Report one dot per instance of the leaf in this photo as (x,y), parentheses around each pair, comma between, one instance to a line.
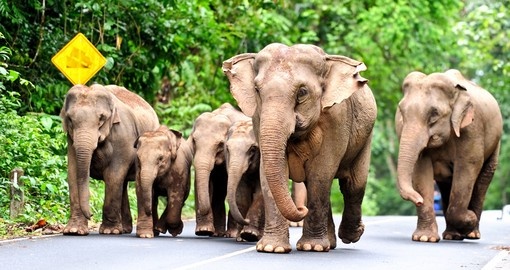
(13,75)
(46,122)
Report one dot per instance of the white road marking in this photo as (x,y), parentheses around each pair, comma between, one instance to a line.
(215,259)
(239,252)
(498,261)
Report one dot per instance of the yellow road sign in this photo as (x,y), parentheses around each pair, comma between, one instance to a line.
(79,60)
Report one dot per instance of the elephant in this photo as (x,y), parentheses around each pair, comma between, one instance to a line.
(163,166)
(313,116)
(207,142)
(244,195)
(299,197)
(102,123)
(449,130)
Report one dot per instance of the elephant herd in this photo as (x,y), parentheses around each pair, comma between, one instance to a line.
(306,116)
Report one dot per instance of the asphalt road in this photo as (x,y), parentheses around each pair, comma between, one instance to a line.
(386,244)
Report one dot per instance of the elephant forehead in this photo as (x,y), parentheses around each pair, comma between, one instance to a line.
(287,59)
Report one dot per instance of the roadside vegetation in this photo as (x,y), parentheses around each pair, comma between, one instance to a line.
(187,41)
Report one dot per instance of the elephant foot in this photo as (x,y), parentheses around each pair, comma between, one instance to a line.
(451,234)
(250,234)
(127,228)
(231,233)
(110,229)
(74,227)
(351,234)
(204,230)
(274,244)
(421,235)
(296,224)
(220,233)
(313,244)
(474,235)
(175,229)
(145,234)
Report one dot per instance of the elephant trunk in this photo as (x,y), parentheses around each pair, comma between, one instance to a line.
(235,174)
(202,177)
(84,145)
(412,144)
(146,181)
(275,130)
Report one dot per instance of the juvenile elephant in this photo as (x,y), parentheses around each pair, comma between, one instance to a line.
(208,139)
(162,169)
(244,195)
(313,116)
(102,125)
(449,130)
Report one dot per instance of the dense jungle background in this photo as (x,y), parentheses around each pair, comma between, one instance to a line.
(153,45)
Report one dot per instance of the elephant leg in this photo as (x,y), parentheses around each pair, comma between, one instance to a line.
(171,218)
(423,181)
(276,227)
(78,223)
(352,186)
(219,194)
(315,227)
(460,219)
(299,197)
(205,223)
(127,219)
(480,190)
(114,201)
(254,231)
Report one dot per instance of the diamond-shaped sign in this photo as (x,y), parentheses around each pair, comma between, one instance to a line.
(79,60)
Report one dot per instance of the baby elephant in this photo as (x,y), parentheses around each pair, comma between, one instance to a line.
(244,195)
(450,131)
(162,169)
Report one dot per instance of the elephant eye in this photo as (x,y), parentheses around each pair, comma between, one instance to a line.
(433,116)
(102,119)
(302,94)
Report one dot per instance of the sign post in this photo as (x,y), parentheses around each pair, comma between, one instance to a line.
(79,60)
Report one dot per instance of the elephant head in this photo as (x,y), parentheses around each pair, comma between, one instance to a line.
(88,116)
(433,110)
(208,139)
(242,158)
(286,89)
(156,152)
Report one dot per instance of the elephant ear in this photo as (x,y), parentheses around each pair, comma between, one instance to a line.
(342,79)
(105,129)
(240,73)
(463,110)
(176,143)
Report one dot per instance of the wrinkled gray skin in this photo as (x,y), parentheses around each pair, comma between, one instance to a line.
(243,193)
(163,165)
(102,124)
(449,130)
(207,141)
(313,116)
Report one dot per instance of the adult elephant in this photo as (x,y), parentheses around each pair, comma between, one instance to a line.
(244,195)
(162,169)
(102,124)
(207,141)
(313,116)
(449,130)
